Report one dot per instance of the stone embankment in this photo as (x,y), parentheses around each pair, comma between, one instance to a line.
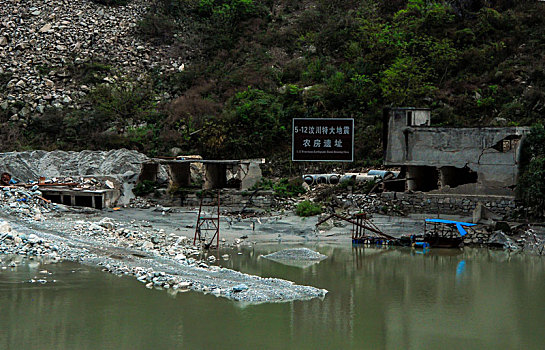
(439,203)
(401,203)
(47,45)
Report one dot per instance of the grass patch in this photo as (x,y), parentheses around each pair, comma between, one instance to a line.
(308,208)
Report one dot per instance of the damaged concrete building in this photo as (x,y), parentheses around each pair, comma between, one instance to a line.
(480,161)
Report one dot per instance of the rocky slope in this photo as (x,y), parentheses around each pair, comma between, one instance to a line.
(49,51)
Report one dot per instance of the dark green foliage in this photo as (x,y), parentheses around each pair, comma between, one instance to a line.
(158,27)
(252,66)
(122,115)
(145,187)
(531,184)
(125,102)
(252,117)
(263,63)
(89,72)
(43,70)
(283,187)
(308,208)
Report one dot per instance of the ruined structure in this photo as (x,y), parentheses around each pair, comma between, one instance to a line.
(451,160)
(216,174)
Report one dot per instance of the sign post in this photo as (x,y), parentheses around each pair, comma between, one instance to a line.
(323,140)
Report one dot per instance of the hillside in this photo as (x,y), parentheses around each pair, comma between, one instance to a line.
(224,78)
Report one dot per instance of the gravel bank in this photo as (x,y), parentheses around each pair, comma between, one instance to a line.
(157,259)
(304,254)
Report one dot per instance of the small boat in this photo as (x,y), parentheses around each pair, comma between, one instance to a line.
(439,233)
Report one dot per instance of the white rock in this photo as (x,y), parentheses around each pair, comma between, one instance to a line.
(4,227)
(147,245)
(180,257)
(45,28)
(107,223)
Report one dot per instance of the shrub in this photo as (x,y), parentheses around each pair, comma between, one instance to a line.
(282,188)
(145,187)
(125,102)
(157,26)
(531,183)
(87,72)
(308,208)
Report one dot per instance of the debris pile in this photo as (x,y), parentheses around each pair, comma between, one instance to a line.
(30,166)
(27,203)
(30,245)
(533,243)
(296,254)
(141,203)
(142,237)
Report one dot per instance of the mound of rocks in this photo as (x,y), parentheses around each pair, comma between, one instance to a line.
(33,164)
(46,44)
(299,254)
(30,245)
(27,203)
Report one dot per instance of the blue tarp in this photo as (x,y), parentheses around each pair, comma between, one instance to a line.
(459,224)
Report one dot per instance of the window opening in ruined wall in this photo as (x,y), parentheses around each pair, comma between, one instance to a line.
(507,144)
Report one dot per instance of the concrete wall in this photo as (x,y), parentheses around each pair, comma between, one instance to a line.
(264,199)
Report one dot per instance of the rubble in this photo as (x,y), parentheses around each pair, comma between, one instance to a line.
(27,203)
(15,243)
(160,260)
(43,44)
(67,166)
(296,254)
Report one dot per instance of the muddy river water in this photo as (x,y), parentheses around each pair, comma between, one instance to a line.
(378,299)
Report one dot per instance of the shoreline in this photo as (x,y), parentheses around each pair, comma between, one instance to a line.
(155,245)
(171,263)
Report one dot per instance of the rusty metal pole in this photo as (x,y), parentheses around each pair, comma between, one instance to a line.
(197,228)
(218,238)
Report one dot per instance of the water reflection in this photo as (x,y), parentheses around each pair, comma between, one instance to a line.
(379,299)
(397,298)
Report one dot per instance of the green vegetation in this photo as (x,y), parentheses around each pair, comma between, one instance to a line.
(531,185)
(252,66)
(145,187)
(261,63)
(282,188)
(308,208)
(89,72)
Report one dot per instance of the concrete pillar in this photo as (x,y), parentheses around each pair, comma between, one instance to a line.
(249,174)
(412,175)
